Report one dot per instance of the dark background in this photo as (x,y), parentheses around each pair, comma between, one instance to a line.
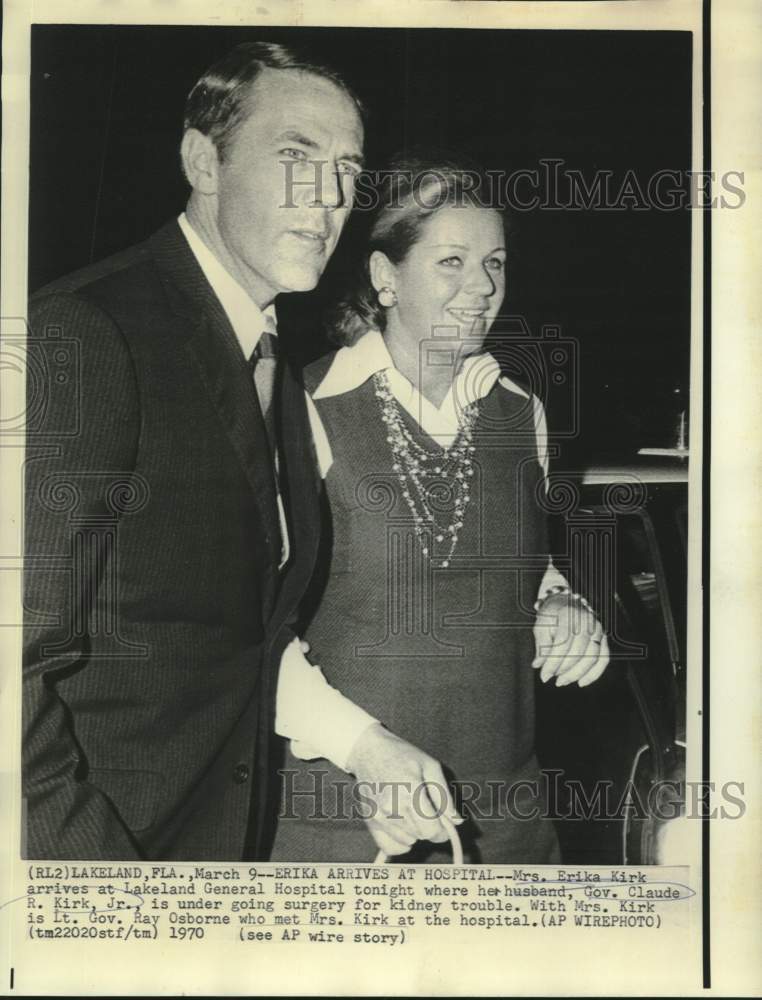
(106,123)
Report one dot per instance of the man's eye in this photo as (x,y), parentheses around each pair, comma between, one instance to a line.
(348,169)
(451,262)
(294,154)
(495,264)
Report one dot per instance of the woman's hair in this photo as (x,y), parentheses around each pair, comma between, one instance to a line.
(411,190)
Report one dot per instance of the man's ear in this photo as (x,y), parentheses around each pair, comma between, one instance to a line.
(200,161)
(381,271)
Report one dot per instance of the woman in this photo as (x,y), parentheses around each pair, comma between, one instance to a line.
(433,467)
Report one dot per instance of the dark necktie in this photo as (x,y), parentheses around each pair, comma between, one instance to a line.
(264,364)
(264,367)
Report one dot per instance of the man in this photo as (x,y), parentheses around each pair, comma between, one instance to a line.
(171,497)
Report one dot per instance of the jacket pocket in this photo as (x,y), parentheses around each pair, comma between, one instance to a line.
(136,795)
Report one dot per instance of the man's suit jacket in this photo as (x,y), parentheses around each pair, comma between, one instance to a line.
(155,615)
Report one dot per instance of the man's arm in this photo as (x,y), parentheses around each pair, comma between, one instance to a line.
(84,440)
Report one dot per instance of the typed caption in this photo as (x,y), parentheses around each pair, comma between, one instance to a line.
(376,905)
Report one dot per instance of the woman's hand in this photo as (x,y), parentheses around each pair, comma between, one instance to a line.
(404,788)
(570,642)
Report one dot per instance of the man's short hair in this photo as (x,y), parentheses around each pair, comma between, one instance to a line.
(216,105)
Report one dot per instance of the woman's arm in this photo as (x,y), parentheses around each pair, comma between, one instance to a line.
(570,643)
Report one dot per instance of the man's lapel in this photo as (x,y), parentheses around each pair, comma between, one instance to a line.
(214,351)
(299,477)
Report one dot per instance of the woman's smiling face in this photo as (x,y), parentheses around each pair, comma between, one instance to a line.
(451,284)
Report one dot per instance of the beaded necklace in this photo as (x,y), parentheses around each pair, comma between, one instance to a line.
(431,482)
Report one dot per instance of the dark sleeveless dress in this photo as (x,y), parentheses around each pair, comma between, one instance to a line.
(441,656)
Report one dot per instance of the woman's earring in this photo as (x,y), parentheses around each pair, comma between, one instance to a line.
(387,297)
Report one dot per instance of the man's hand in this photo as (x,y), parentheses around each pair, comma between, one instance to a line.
(569,641)
(404,786)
